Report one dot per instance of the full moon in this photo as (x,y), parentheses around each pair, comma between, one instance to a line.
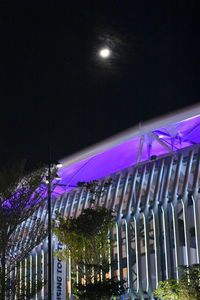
(104,53)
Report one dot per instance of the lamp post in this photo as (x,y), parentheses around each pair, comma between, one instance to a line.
(49,233)
(49,186)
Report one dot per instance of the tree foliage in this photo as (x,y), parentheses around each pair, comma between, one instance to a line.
(22,193)
(186,288)
(86,238)
(102,290)
(88,245)
(95,190)
(26,291)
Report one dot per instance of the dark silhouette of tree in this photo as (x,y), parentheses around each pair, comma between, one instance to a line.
(22,194)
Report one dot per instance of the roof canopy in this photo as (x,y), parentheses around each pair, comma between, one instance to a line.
(155,138)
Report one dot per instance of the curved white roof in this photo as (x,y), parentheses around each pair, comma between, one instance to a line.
(157,137)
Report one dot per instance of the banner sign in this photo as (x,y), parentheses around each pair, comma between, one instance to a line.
(59,284)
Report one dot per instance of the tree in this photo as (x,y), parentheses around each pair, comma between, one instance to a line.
(88,245)
(21,244)
(22,193)
(186,288)
(87,240)
(100,290)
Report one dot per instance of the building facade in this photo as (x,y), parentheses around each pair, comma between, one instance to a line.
(155,193)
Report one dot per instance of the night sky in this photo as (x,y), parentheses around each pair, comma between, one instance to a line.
(55,87)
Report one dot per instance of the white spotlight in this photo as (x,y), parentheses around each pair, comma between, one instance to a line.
(59,165)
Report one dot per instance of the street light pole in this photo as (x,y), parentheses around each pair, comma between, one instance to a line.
(49,187)
(49,234)
(49,231)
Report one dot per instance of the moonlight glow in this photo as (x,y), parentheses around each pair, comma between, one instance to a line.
(104,53)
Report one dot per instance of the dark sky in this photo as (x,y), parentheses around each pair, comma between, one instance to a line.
(54,86)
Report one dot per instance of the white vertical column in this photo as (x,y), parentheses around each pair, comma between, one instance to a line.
(136,219)
(112,206)
(156,226)
(146,231)
(184,201)
(195,199)
(119,228)
(177,250)
(164,209)
(131,200)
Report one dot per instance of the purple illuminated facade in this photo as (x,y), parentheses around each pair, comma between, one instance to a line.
(165,140)
(155,172)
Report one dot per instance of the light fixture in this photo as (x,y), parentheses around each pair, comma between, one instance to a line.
(58,165)
(57,177)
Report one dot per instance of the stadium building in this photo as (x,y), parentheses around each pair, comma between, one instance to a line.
(155,192)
